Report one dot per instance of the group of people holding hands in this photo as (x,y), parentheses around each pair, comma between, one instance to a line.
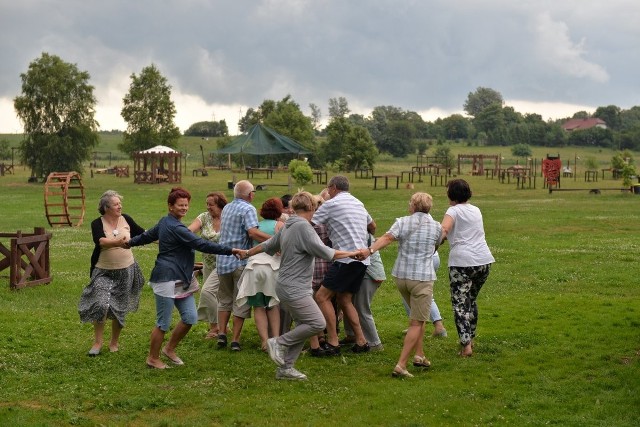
(303,263)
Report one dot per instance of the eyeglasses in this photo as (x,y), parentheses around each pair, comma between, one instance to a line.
(252,191)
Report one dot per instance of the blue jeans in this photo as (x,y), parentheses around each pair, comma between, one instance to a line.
(164,310)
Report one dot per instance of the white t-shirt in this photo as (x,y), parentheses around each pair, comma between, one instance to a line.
(466,238)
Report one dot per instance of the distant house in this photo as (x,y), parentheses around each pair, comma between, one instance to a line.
(582,124)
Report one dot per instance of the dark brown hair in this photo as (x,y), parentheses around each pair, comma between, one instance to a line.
(178,193)
(458,190)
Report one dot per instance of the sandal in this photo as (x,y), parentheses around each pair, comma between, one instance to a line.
(211,335)
(421,362)
(398,372)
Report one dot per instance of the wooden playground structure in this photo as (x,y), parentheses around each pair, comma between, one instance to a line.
(477,162)
(64,199)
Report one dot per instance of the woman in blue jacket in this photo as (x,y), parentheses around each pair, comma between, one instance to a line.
(172,276)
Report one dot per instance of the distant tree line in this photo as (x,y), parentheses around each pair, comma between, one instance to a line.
(57,108)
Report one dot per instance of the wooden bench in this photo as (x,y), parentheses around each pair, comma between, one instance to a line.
(409,174)
(200,171)
(268,171)
(319,175)
(433,179)
(523,180)
(363,173)
(386,181)
(591,176)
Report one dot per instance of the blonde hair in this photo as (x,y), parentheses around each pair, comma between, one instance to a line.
(421,202)
(303,201)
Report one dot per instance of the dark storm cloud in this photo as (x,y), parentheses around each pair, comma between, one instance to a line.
(416,55)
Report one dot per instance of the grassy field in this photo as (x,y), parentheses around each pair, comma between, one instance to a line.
(558,338)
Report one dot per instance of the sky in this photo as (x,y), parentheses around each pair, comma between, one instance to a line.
(221,57)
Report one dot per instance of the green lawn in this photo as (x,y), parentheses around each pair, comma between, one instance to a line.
(558,337)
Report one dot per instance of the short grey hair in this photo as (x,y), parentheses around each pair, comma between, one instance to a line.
(242,189)
(340,182)
(105,199)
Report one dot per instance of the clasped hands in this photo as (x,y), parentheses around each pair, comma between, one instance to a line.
(360,254)
(241,254)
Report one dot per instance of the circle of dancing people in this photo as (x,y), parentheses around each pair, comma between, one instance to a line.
(310,261)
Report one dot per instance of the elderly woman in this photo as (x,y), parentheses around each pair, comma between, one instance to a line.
(208,225)
(418,235)
(299,245)
(257,284)
(116,278)
(469,260)
(172,276)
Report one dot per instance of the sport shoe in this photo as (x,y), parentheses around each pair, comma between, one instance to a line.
(377,347)
(290,374)
(332,350)
(360,348)
(222,341)
(235,346)
(276,352)
(320,352)
(349,339)
(441,334)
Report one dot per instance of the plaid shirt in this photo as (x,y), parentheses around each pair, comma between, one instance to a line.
(237,218)
(417,235)
(321,265)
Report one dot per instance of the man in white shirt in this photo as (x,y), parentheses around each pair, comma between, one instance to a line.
(348,224)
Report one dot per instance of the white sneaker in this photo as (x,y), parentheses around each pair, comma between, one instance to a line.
(276,352)
(290,374)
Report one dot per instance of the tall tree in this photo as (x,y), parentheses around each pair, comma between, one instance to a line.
(349,146)
(338,107)
(286,117)
(393,129)
(149,112)
(456,126)
(57,109)
(480,99)
(316,117)
(611,116)
(208,129)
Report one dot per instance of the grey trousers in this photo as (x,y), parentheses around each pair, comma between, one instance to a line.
(362,303)
(309,321)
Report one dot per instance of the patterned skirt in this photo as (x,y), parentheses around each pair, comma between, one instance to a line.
(111,294)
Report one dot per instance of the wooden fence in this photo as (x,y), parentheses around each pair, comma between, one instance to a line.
(27,258)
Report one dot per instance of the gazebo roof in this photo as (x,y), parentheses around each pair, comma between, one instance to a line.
(159,149)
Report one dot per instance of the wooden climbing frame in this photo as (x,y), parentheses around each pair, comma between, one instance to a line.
(64,199)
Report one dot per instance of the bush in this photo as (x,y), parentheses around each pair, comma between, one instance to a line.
(300,172)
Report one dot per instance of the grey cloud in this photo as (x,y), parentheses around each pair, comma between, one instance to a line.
(413,54)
